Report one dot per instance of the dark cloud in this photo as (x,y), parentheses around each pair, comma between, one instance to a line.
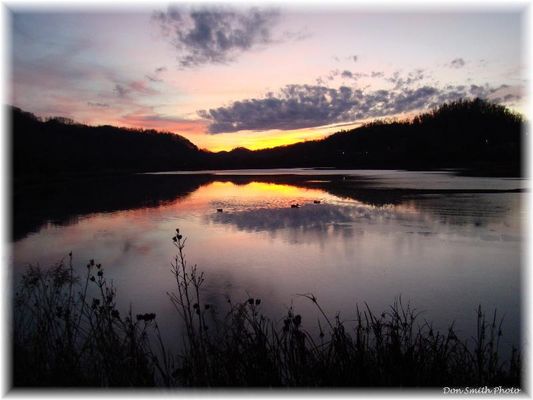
(377,74)
(410,99)
(479,91)
(353,58)
(296,106)
(333,74)
(352,75)
(457,63)
(160,69)
(120,90)
(511,97)
(412,78)
(304,106)
(346,74)
(394,77)
(215,35)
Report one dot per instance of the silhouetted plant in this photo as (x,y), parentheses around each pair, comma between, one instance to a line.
(245,348)
(69,332)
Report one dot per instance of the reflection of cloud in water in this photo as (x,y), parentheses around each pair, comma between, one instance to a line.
(310,221)
(270,219)
(464,216)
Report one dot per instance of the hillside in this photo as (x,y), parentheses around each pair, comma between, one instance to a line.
(475,135)
(61,146)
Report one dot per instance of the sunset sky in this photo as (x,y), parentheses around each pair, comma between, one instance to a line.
(227,76)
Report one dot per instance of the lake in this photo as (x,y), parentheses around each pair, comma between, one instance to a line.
(444,243)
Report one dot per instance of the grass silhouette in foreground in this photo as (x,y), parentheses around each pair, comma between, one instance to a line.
(68,332)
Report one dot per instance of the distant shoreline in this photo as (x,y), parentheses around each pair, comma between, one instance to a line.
(460,171)
(20,182)
(473,137)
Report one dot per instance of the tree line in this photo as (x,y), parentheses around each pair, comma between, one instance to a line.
(474,135)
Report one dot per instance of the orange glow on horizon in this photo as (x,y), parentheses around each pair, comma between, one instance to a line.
(261,143)
(254,140)
(196,132)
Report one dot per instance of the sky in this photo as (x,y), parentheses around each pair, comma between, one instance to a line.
(227,76)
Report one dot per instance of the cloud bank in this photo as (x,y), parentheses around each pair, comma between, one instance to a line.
(304,106)
(215,35)
(457,63)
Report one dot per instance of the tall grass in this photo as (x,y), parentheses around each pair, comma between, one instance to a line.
(68,332)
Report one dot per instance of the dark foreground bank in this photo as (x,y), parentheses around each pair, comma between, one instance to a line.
(68,333)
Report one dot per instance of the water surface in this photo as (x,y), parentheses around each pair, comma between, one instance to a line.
(442,242)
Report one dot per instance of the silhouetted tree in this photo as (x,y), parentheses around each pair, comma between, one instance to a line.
(473,134)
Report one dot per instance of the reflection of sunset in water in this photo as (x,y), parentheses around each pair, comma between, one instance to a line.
(259,194)
(424,247)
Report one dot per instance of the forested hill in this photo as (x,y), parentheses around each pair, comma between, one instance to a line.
(61,146)
(476,135)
